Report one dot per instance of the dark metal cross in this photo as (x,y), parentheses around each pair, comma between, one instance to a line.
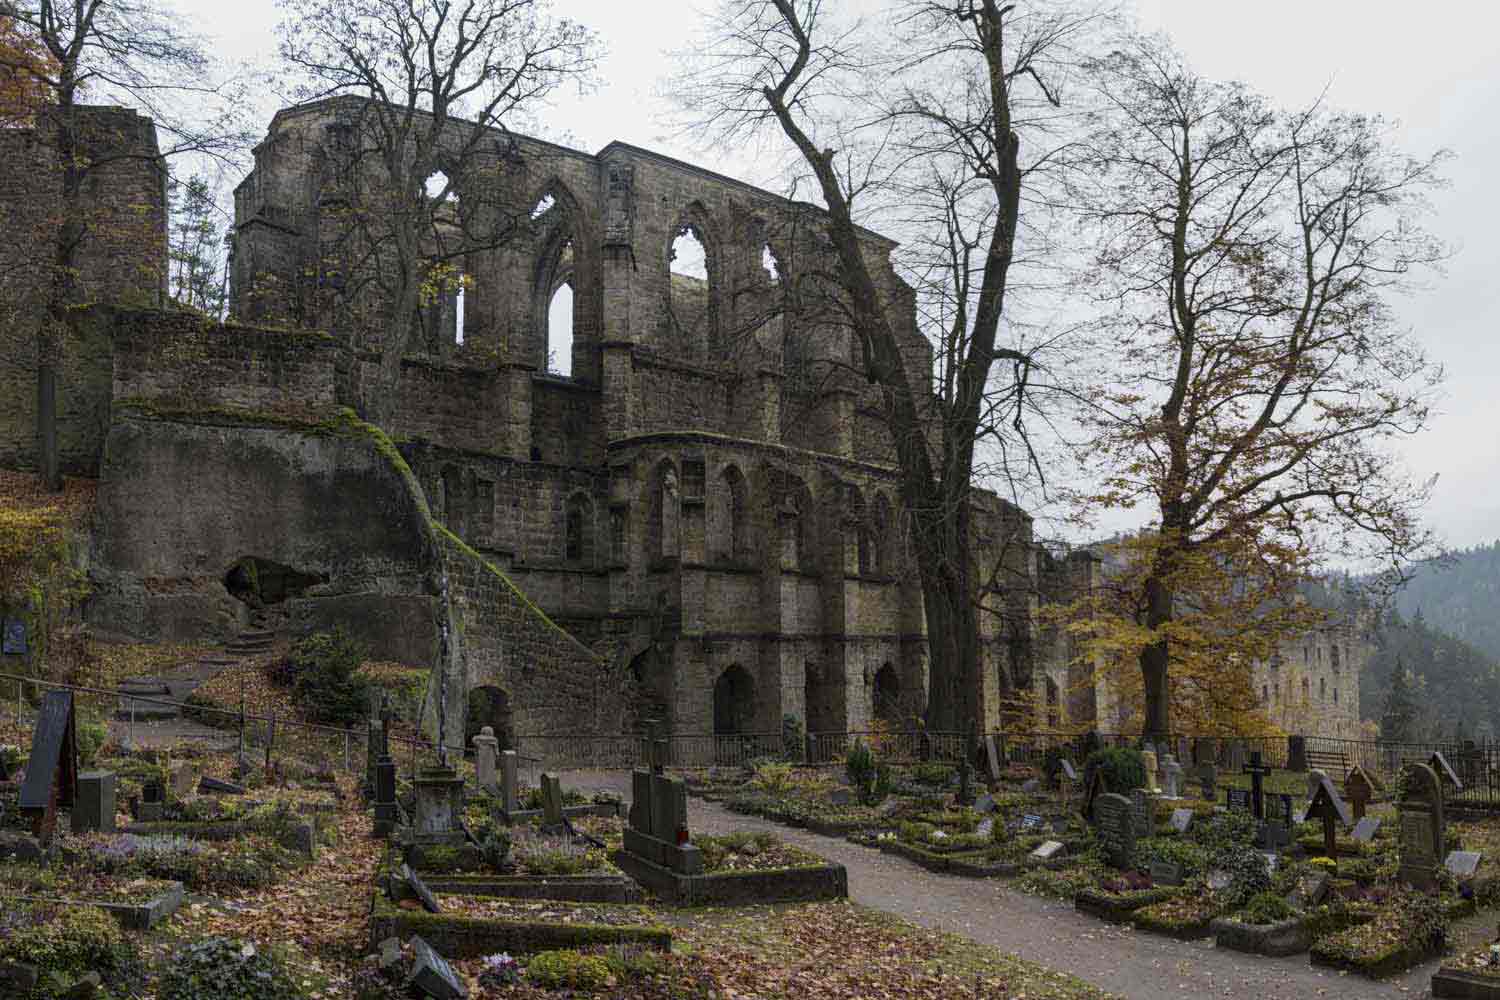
(1257,771)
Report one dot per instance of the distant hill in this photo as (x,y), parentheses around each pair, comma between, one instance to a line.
(1457,686)
(1460,596)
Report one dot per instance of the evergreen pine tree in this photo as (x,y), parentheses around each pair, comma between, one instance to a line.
(1400,711)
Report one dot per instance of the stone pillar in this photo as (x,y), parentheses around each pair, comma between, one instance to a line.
(517,380)
(619,392)
(486,749)
(508,797)
(94,810)
(387,813)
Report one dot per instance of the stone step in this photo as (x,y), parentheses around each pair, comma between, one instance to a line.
(247,647)
(257,635)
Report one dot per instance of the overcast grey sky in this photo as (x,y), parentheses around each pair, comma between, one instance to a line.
(1433,67)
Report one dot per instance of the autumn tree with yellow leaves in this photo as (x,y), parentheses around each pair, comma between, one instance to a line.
(1251,375)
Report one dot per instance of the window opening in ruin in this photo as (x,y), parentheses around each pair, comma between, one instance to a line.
(734,702)
(1304,691)
(542,207)
(688,291)
(489,706)
(770,264)
(1322,689)
(1335,696)
(1053,716)
(665,497)
(560,330)
(1334,653)
(578,532)
(736,540)
(887,696)
(447,218)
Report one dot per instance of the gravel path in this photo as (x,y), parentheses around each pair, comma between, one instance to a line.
(1131,964)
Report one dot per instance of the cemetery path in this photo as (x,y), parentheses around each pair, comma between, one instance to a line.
(1119,959)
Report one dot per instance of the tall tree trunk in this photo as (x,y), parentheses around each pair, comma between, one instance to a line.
(1154,660)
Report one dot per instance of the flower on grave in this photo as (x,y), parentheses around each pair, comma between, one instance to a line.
(500,970)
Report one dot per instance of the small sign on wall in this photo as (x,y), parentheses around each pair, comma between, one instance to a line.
(13,638)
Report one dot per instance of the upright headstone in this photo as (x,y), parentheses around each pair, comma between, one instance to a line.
(1364,830)
(1184,749)
(387,812)
(1358,790)
(552,806)
(439,806)
(95,809)
(1208,782)
(1140,810)
(1115,821)
(153,805)
(991,759)
(509,793)
(1236,756)
(1097,787)
(1149,758)
(52,769)
(486,750)
(1257,771)
(658,830)
(1171,778)
(1182,820)
(1421,833)
(1296,754)
(184,780)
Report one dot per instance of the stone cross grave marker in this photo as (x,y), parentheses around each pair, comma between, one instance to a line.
(1171,778)
(486,750)
(52,769)
(552,814)
(1326,805)
(95,809)
(1420,837)
(432,974)
(1116,823)
(1358,790)
(1257,771)
(658,830)
(1445,773)
(1364,830)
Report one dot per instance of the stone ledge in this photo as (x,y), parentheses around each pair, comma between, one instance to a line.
(1285,937)
(474,937)
(810,883)
(1117,909)
(1465,985)
(144,916)
(566,888)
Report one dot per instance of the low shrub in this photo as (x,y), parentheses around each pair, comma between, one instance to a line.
(65,943)
(774,778)
(1247,873)
(554,969)
(940,775)
(1175,851)
(216,967)
(859,766)
(1265,908)
(324,680)
(1223,830)
(793,738)
(91,737)
(1124,769)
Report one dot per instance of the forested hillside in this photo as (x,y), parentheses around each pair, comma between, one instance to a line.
(1460,596)
(1452,686)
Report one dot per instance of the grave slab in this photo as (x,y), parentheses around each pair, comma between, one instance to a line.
(432,974)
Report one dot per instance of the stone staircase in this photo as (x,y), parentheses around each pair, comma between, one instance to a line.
(140,695)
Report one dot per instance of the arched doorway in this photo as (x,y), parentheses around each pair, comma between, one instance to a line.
(734,702)
(489,706)
(887,696)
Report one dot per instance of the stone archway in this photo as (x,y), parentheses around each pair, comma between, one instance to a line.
(489,706)
(886,697)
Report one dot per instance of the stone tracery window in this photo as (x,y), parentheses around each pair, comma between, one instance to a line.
(733,515)
(692,287)
(578,530)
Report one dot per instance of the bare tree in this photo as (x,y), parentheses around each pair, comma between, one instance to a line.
(931,125)
(439,79)
(1244,259)
(124,52)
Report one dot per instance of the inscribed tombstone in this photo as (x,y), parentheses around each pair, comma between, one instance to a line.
(1463,864)
(1166,873)
(1047,850)
(1421,831)
(552,814)
(1364,830)
(429,901)
(95,809)
(1171,782)
(13,638)
(432,974)
(1116,823)
(508,793)
(52,768)
(1182,820)
(1140,810)
(486,749)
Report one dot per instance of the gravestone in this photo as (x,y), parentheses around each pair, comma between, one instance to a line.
(1097,787)
(439,806)
(1182,820)
(1184,749)
(992,759)
(1171,778)
(486,750)
(1257,771)
(1463,864)
(153,805)
(1237,799)
(1358,790)
(1327,806)
(552,806)
(209,785)
(387,812)
(1047,850)
(1445,773)
(1235,755)
(429,901)
(432,974)
(658,830)
(13,638)
(94,812)
(986,827)
(984,804)
(1029,822)
(1364,830)
(1149,757)
(1208,782)
(1204,750)
(52,769)
(845,796)
(1296,754)
(184,780)
(1166,873)
(1115,820)
(1420,815)
(509,795)
(1069,772)
(1140,811)
(1310,890)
